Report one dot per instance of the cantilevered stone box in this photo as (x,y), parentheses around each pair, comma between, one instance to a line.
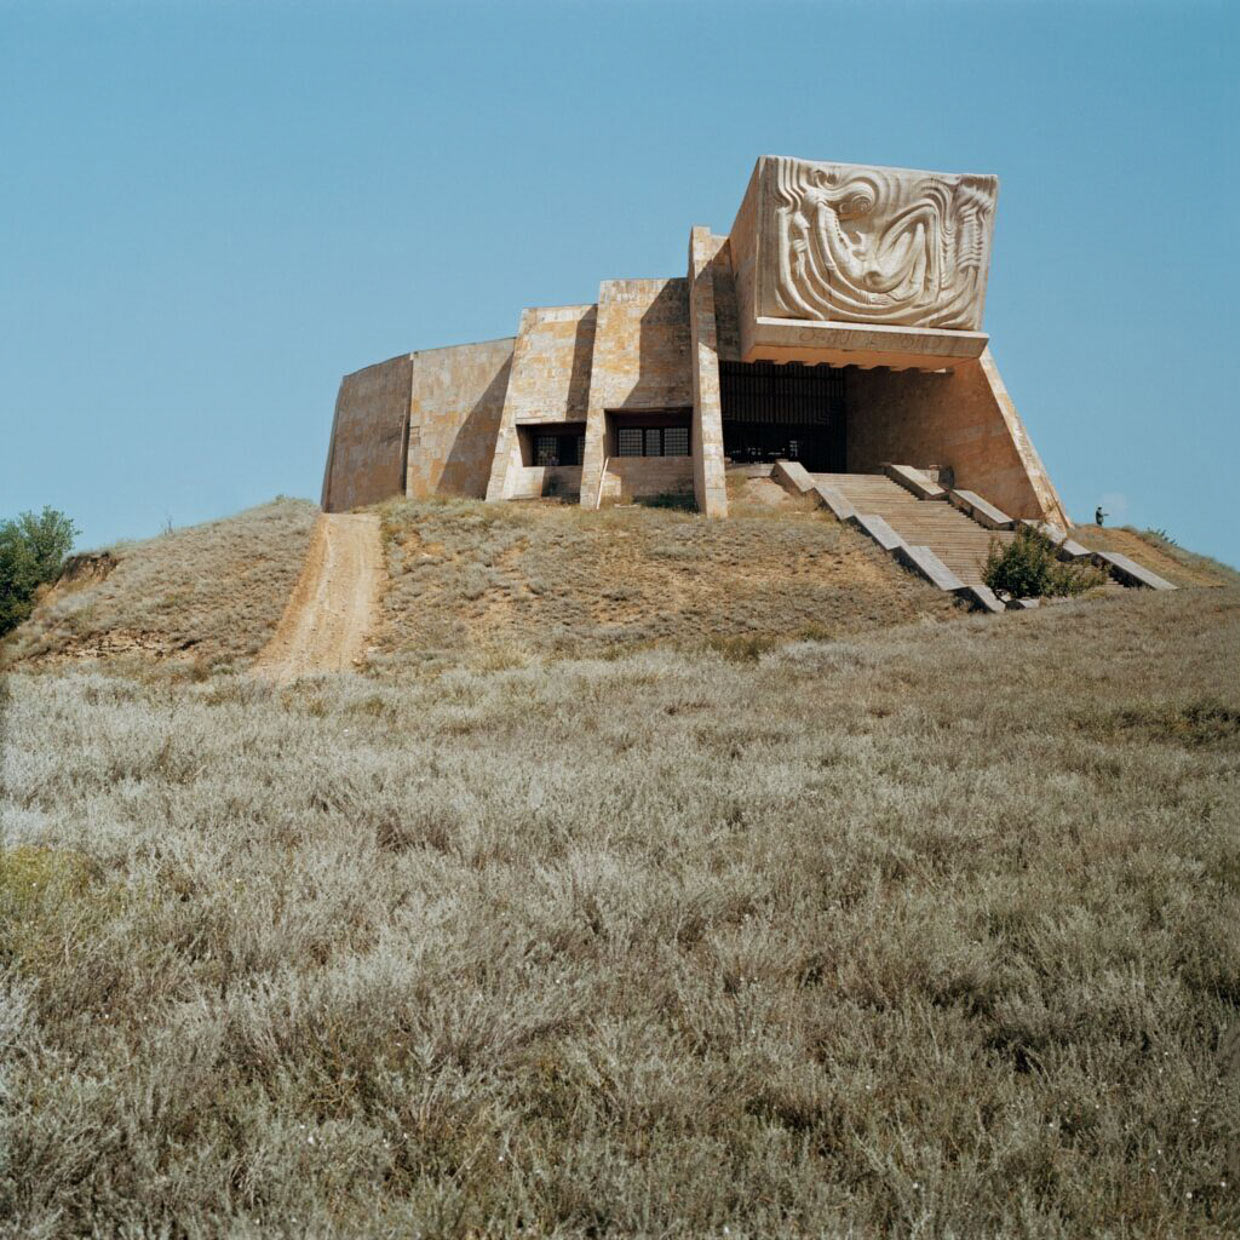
(878,266)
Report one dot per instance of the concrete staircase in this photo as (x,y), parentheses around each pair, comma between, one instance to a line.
(959,541)
(941,534)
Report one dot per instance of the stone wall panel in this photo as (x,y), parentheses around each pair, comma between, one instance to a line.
(365,461)
(454,415)
(550,383)
(962,420)
(642,360)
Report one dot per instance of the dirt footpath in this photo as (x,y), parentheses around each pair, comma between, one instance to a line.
(333,605)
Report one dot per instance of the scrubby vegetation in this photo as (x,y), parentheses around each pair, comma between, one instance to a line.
(1157,552)
(499,585)
(31,552)
(1027,567)
(929,931)
(210,595)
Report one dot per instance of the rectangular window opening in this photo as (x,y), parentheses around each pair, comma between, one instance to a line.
(550,445)
(660,439)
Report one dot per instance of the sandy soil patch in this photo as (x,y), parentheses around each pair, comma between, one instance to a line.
(332,608)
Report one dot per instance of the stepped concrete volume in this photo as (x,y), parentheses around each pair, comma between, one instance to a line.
(838,325)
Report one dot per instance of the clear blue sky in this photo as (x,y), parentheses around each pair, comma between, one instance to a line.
(211,211)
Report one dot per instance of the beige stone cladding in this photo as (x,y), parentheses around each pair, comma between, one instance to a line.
(859,243)
(706,254)
(727,316)
(544,482)
(842,344)
(365,460)
(550,383)
(963,420)
(455,404)
(743,253)
(642,361)
(630,478)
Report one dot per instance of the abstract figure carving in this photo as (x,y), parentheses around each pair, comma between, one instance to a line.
(881,245)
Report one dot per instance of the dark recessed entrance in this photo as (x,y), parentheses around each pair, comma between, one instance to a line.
(783,410)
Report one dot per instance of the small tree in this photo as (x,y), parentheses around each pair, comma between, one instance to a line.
(32,550)
(1028,567)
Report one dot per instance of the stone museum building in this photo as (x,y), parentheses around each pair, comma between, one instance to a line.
(838,325)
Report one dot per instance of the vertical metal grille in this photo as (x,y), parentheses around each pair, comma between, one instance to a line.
(652,441)
(789,394)
(787,410)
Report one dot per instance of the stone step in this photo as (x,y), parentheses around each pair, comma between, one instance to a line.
(947,542)
(954,541)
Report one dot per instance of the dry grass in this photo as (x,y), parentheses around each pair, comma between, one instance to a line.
(498,585)
(927,932)
(1180,567)
(208,595)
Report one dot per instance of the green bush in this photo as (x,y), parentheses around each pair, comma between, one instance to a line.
(32,550)
(1027,567)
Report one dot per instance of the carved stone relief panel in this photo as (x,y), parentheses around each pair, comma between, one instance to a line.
(849,243)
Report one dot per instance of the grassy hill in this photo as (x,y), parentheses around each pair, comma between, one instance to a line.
(502,585)
(1155,551)
(207,596)
(563,920)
